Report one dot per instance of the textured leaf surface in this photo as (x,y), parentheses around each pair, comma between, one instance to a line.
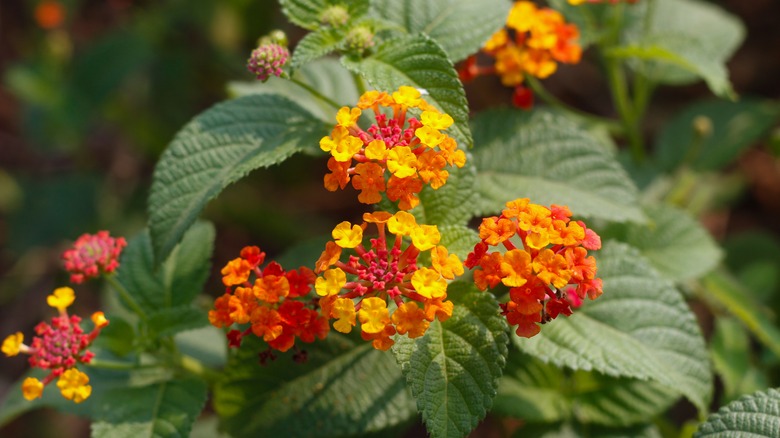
(180,278)
(307,13)
(734,127)
(536,392)
(551,160)
(451,23)
(675,244)
(688,38)
(454,202)
(341,391)
(458,239)
(569,430)
(217,148)
(172,320)
(755,415)
(639,328)
(162,410)
(418,61)
(315,45)
(453,370)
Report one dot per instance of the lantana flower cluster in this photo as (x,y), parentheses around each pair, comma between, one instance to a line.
(533,42)
(270,301)
(545,258)
(386,271)
(59,347)
(397,154)
(92,255)
(613,2)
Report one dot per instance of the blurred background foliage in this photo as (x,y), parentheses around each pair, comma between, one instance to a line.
(93,91)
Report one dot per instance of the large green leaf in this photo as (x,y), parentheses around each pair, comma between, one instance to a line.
(551,160)
(315,45)
(162,410)
(172,320)
(326,75)
(308,13)
(341,391)
(451,23)
(217,148)
(569,430)
(536,392)
(733,126)
(732,356)
(453,370)
(755,415)
(418,61)
(674,243)
(639,328)
(454,202)
(178,280)
(683,40)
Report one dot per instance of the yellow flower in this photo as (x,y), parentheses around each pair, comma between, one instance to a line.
(429,136)
(334,280)
(436,120)
(516,268)
(32,388)
(401,161)
(373,315)
(376,150)
(410,318)
(61,299)
(346,117)
(346,149)
(347,235)
(407,96)
(448,265)
(344,311)
(425,237)
(13,344)
(74,386)
(428,283)
(99,319)
(402,223)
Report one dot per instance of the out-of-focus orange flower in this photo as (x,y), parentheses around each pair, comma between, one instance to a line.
(49,14)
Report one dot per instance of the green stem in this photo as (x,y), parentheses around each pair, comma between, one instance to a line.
(117,286)
(619,88)
(361,86)
(539,90)
(316,93)
(195,367)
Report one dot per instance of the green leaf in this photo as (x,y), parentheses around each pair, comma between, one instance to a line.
(568,430)
(307,13)
(325,75)
(756,415)
(675,244)
(733,126)
(683,40)
(117,337)
(206,344)
(731,357)
(454,202)
(165,409)
(218,148)
(639,328)
(172,320)
(458,239)
(536,392)
(315,45)
(451,23)
(551,160)
(719,288)
(418,61)
(453,370)
(341,391)
(180,278)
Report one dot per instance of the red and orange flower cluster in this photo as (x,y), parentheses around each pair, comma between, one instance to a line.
(383,272)
(532,43)
(269,300)
(412,151)
(58,347)
(546,255)
(93,254)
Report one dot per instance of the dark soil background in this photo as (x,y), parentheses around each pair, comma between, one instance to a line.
(87,107)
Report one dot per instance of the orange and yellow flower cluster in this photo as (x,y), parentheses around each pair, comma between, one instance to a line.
(58,347)
(385,272)
(397,154)
(533,42)
(269,300)
(546,254)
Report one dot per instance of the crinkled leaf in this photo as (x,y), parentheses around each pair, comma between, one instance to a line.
(315,45)
(308,13)
(536,392)
(755,415)
(341,391)
(458,239)
(451,23)
(453,203)
(719,288)
(453,370)
(568,430)
(734,126)
(178,280)
(683,40)
(639,328)
(325,75)
(216,149)
(678,246)
(551,160)
(165,409)
(172,320)
(418,61)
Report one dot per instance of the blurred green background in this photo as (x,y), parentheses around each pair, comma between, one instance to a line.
(92,91)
